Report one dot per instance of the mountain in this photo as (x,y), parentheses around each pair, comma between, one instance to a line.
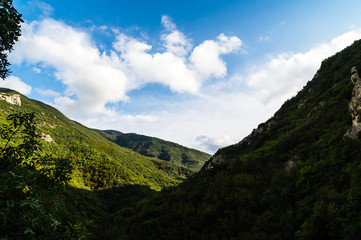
(158,148)
(297,176)
(35,200)
(98,163)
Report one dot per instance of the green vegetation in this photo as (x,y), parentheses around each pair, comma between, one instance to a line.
(300,178)
(157,148)
(104,178)
(98,163)
(32,186)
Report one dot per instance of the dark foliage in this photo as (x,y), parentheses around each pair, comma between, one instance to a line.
(299,178)
(32,185)
(10,21)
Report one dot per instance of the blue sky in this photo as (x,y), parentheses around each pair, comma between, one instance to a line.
(199,73)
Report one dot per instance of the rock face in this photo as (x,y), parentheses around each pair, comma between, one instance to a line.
(219,157)
(46,137)
(216,159)
(255,132)
(355,105)
(11,98)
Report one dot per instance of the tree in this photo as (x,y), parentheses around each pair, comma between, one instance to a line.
(10,31)
(32,184)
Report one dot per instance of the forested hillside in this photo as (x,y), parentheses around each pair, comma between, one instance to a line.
(98,163)
(295,177)
(158,148)
(67,174)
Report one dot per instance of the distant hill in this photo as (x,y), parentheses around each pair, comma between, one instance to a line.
(158,148)
(297,176)
(99,163)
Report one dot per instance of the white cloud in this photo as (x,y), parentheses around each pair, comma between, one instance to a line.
(166,68)
(47,92)
(45,8)
(213,144)
(212,114)
(205,58)
(264,38)
(175,41)
(131,123)
(283,75)
(15,83)
(36,70)
(93,78)
(272,30)
(168,23)
(172,67)
(103,27)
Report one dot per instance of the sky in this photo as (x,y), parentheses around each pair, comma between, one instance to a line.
(199,73)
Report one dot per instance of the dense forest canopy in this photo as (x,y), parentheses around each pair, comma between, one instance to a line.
(296,177)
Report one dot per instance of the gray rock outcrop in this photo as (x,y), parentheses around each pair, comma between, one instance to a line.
(216,159)
(355,105)
(11,98)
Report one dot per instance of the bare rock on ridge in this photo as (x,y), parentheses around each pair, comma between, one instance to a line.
(355,105)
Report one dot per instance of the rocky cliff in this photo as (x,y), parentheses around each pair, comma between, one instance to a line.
(355,105)
(11,98)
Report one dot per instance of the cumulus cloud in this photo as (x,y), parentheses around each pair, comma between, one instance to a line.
(213,144)
(36,70)
(206,60)
(45,8)
(175,41)
(283,75)
(179,67)
(15,83)
(47,92)
(166,67)
(93,78)
(264,38)
(90,77)
(168,23)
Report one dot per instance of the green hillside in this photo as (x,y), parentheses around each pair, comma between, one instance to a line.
(158,148)
(297,176)
(98,163)
(60,179)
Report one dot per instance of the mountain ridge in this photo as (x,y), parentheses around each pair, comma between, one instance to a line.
(158,148)
(91,150)
(297,176)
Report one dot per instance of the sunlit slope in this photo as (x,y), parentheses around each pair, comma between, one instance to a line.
(98,162)
(158,148)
